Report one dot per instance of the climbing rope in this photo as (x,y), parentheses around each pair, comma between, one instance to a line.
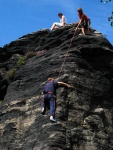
(63,64)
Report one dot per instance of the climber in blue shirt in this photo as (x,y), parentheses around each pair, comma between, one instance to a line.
(49,95)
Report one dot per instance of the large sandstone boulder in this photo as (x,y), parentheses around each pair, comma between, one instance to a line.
(84,115)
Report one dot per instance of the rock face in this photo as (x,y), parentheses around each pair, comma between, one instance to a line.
(84,115)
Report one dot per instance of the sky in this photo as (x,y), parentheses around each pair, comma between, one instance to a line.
(21,17)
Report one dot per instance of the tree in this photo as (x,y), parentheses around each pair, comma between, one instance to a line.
(111,16)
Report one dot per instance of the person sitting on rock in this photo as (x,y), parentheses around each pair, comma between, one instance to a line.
(49,95)
(84,21)
(59,24)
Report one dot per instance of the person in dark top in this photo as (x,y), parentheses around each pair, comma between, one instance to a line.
(84,21)
(49,94)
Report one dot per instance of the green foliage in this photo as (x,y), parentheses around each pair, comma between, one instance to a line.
(21,61)
(0,102)
(11,73)
(30,54)
(105,1)
(111,16)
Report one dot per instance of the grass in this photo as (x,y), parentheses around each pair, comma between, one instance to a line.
(11,73)
(21,61)
(0,102)
(30,54)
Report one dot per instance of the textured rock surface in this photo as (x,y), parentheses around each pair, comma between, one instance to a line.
(85,115)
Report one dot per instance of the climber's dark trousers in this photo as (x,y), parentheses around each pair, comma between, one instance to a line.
(48,98)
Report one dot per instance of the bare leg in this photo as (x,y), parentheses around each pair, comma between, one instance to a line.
(53,26)
(83,31)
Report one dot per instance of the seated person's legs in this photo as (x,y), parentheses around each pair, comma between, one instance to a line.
(56,25)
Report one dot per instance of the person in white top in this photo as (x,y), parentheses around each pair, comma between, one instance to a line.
(62,22)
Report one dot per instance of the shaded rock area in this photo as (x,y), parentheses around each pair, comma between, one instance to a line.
(84,115)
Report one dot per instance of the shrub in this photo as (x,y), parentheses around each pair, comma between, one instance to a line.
(20,61)
(0,102)
(30,54)
(11,73)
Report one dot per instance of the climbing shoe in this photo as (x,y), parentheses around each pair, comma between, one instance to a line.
(82,34)
(52,120)
(43,112)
